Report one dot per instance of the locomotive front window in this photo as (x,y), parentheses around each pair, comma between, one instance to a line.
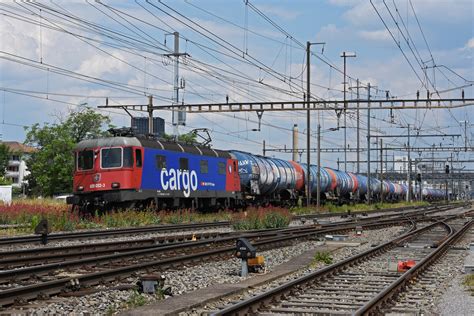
(127,157)
(138,154)
(111,158)
(85,160)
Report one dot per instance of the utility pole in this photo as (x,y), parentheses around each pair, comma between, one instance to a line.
(381,170)
(452,178)
(308,124)
(345,55)
(150,114)
(308,120)
(178,118)
(318,188)
(368,144)
(295,143)
(408,167)
(358,129)
(465,134)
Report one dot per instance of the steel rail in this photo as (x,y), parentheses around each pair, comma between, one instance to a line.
(251,305)
(44,289)
(21,273)
(374,305)
(16,258)
(163,228)
(112,232)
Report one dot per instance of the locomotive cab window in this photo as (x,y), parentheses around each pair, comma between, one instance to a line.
(221,168)
(204,166)
(160,162)
(111,158)
(183,164)
(85,160)
(127,157)
(138,156)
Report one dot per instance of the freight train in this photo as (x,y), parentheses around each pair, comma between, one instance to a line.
(139,172)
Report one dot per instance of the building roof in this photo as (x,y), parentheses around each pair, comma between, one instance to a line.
(19,147)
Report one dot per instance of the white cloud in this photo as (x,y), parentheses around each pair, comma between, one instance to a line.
(362,13)
(284,13)
(377,35)
(344,3)
(98,65)
(470,43)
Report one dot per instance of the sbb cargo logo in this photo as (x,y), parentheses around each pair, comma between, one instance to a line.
(179,180)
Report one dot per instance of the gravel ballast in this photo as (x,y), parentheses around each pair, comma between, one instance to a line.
(192,278)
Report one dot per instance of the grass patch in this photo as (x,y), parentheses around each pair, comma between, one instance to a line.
(360,207)
(469,283)
(135,300)
(261,218)
(322,257)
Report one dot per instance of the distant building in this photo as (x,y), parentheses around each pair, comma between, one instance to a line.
(400,164)
(17,169)
(140,125)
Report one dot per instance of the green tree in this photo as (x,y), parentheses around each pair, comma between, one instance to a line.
(189,138)
(52,165)
(4,157)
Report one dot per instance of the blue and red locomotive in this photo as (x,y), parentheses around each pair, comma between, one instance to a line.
(129,171)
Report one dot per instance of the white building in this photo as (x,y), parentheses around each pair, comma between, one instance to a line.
(400,164)
(17,169)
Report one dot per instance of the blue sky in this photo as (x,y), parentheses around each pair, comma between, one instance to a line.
(344,25)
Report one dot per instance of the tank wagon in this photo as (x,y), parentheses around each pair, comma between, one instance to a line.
(429,194)
(130,171)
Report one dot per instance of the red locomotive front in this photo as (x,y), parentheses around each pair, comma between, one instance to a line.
(107,168)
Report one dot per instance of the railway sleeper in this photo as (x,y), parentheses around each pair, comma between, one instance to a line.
(321,304)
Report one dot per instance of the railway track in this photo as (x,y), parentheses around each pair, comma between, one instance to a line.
(45,255)
(20,285)
(424,290)
(110,233)
(28,283)
(358,285)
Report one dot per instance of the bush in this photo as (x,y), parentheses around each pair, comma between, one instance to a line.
(30,212)
(324,257)
(262,218)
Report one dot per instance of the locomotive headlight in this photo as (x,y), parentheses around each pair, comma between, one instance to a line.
(80,188)
(115,185)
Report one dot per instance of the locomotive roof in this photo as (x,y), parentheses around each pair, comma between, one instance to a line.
(151,143)
(107,142)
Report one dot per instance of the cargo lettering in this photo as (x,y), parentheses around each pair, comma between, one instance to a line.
(179,180)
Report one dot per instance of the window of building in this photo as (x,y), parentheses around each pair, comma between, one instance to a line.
(183,164)
(15,157)
(15,180)
(204,166)
(160,162)
(221,168)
